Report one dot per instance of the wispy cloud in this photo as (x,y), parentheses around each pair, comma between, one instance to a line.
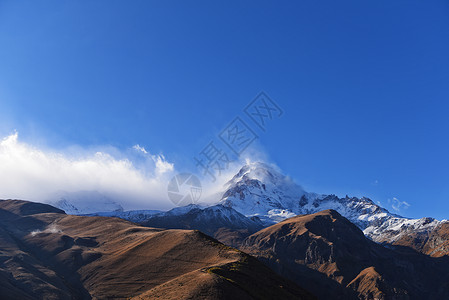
(398,205)
(140,148)
(161,164)
(50,229)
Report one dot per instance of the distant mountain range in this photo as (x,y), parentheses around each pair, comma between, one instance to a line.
(323,246)
(259,196)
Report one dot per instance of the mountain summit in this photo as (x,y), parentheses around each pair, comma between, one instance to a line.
(261,190)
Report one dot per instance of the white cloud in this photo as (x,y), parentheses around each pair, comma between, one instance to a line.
(139,148)
(397,204)
(50,229)
(30,173)
(162,166)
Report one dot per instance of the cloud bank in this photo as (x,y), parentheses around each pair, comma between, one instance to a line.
(135,178)
(99,178)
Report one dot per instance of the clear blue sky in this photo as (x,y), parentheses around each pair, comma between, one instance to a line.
(364,85)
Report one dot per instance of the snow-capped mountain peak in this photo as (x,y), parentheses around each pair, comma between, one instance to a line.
(261,190)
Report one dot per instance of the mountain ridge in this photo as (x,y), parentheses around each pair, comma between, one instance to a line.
(261,191)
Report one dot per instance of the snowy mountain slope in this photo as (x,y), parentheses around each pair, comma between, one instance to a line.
(208,219)
(84,202)
(136,216)
(212,215)
(260,190)
(223,223)
(392,229)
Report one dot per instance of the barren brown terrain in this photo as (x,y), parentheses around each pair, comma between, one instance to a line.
(46,254)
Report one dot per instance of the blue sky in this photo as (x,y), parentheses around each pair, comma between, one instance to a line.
(364,85)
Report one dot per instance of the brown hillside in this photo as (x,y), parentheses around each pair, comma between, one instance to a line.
(47,254)
(332,258)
